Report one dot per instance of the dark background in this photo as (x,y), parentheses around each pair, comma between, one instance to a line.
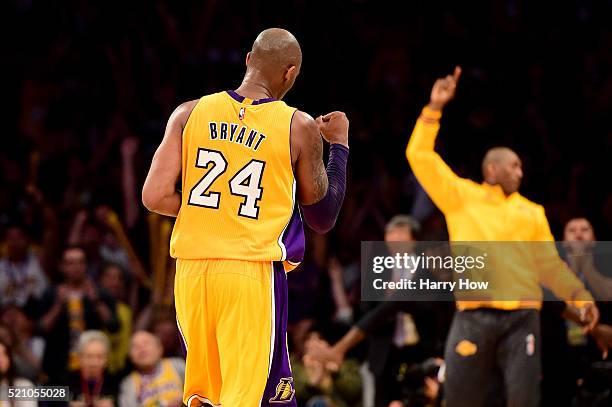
(79,77)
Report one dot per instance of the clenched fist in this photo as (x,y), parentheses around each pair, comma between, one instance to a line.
(334,127)
(444,90)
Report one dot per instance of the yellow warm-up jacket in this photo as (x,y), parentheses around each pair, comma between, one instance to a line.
(483,213)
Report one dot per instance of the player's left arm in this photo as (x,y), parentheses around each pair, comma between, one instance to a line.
(320,189)
(159,193)
(556,275)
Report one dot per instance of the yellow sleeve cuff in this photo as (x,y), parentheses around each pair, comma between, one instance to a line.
(581,298)
(430,114)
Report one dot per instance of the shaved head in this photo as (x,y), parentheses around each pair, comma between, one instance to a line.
(274,62)
(502,166)
(497,155)
(275,49)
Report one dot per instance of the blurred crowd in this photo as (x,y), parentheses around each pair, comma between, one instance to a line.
(85,276)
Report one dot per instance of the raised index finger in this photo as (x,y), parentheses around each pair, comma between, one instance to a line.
(457,73)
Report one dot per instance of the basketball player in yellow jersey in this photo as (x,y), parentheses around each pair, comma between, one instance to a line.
(250,168)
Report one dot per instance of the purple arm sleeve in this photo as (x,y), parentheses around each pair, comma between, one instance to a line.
(321,216)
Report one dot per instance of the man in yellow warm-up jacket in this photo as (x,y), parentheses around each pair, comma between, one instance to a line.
(500,334)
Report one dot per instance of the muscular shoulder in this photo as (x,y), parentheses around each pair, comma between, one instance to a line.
(303,124)
(182,112)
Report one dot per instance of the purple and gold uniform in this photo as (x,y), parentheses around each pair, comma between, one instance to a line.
(237,233)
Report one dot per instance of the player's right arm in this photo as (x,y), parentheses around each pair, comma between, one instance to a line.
(557,276)
(442,185)
(320,190)
(159,191)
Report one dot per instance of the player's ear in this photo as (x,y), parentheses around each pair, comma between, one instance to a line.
(290,73)
(490,172)
(485,171)
(248,58)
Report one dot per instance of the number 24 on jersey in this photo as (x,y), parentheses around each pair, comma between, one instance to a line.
(245,183)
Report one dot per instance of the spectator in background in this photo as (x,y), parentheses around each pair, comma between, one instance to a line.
(561,330)
(578,230)
(92,232)
(590,265)
(9,378)
(69,309)
(579,244)
(93,385)
(28,348)
(113,280)
(319,386)
(401,334)
(87,234)
(21,276)
(155,381)
(585,260)
(344,312)
(111,250)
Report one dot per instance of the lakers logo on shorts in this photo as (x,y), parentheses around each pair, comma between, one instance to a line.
(466,348)
(284,391)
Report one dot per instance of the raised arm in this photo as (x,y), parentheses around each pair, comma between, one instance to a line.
(159,191)
(320,189)
(442,185)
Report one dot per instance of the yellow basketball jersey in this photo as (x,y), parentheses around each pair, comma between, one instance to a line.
(238,187)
